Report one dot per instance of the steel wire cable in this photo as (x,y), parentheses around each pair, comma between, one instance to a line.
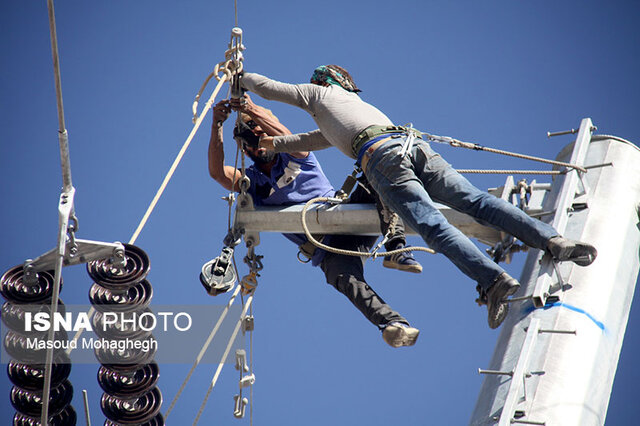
(214,380)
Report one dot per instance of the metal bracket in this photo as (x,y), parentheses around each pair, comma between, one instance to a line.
(245,201)
(84,251)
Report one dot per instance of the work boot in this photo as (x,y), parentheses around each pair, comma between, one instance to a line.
(398,334)
(580,253)
(498,307)
(403,261)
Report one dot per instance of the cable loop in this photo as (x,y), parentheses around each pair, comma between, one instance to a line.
(245,182)
(303,217)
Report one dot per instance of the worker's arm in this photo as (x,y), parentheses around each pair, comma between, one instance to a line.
(226,176)
(311,141)
(299,95)
(265,119)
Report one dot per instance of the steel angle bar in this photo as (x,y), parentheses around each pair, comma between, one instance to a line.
(517,385)
(356,219)
(562,208)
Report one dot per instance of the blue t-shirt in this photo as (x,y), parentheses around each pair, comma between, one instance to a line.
(292,181)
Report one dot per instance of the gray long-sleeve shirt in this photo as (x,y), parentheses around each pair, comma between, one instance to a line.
(339,114)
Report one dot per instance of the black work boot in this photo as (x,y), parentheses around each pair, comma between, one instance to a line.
(498,308)
(580,253)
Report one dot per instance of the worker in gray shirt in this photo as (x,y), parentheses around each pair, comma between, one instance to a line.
(409,177)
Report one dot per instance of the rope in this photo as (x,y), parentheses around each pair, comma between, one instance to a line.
(224,358)
(167,178)
(510,172)
(348,252)
(177,160)
(251,368)
(235,7)
(459,144)
(64,214)
(222,316)
(202,351)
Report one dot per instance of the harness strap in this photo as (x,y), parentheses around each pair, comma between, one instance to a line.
(308,249)
(373,132)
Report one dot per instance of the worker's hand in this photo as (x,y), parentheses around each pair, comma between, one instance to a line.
(221,112)
(266,142)
(243,104)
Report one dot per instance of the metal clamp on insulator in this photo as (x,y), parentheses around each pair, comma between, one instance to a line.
(240,405)
(247,381)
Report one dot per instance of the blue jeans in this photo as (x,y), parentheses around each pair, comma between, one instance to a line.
(411,184)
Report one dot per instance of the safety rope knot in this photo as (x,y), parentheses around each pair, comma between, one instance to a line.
(225,70)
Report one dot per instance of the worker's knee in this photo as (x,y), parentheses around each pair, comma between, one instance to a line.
(349,283)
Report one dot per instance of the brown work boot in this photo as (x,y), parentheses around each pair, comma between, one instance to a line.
(498,307)
(580,253)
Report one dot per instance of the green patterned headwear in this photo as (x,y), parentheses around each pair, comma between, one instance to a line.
(333,74)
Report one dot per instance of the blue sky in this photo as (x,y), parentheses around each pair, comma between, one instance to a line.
(500,73)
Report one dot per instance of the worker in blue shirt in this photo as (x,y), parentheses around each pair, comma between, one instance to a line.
(296,177)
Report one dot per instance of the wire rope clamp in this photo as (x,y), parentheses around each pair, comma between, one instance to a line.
(241,360)
(240,405)
(247,323)
(247,380)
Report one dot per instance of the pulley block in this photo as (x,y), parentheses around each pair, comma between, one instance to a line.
(218,275)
